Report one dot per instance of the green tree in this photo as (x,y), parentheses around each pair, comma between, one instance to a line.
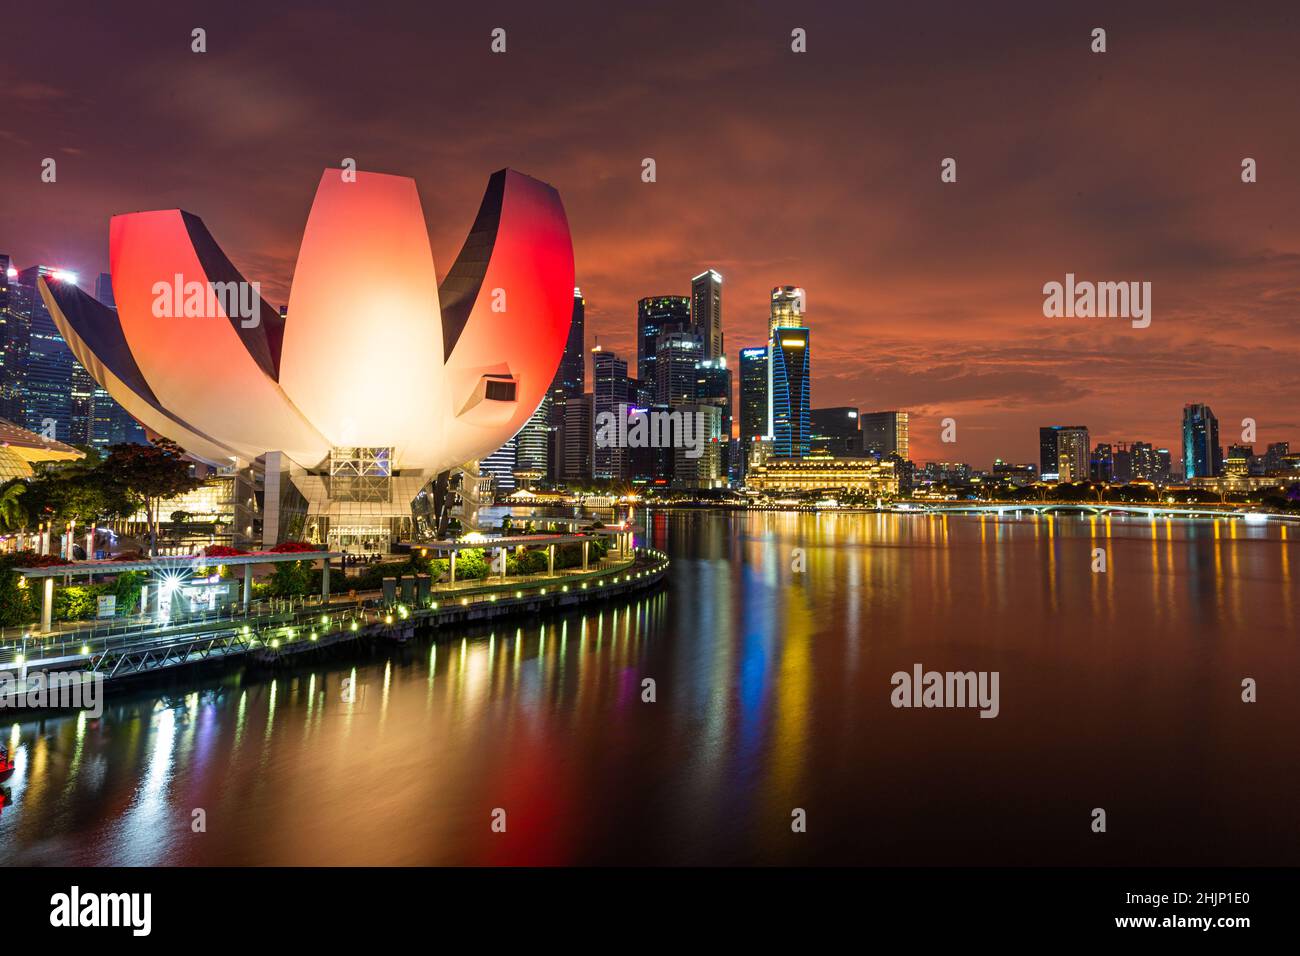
(290,578)
(82,492)
(13,515)
(471,565)
(148,474)
(16,602)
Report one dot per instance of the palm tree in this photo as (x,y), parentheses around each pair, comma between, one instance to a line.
(13,516)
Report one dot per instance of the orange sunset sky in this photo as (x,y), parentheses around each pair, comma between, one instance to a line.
(818,169)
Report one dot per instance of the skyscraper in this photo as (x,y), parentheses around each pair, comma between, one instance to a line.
(1273,456)
(11,360)
(532,446)
(713,387)
(1121,462)
(1102,465)
(655,316)
(1202,454)
(753,400)
(702,467)
(787,310)
(501,466)
(1072,454)
(609,401)
(1047,452)
(885,433)
(1144,463)
(790,368)
(571,376)
(574,439)
(676,356)
(110,423)
(1164,466)
(834,431)
(81,426)
(104,290)
(706,312)
(1050,466)
(47,383)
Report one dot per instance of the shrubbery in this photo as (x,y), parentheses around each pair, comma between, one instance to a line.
(290,578)
(530,562)
(472,565)
(16,603)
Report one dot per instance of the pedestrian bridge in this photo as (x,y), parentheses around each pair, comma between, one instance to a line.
(1130,509)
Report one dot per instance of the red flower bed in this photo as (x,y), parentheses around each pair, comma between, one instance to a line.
(30,559)
(223,551)
(293,547)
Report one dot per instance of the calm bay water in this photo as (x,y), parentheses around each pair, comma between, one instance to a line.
(1119,690)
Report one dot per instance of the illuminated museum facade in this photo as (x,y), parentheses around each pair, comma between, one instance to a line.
(365,406)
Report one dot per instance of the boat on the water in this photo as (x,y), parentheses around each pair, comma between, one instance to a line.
(6,765)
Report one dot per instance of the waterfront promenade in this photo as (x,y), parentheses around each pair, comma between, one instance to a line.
(273,630)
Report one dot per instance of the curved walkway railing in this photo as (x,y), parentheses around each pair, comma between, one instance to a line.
(90,645)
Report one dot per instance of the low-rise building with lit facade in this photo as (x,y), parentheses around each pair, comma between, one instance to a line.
(823,475)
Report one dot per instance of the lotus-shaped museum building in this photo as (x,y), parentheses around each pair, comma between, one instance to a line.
(358,404)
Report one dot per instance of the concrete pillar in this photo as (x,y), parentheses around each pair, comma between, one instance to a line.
(144,599)
(585,546)
(90,544)
(47,605)
(248,587)
(275,475)
(502,551)
(325,581)
(550,559)
(453,567)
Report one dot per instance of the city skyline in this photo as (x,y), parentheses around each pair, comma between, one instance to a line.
(909,312)
(568,369)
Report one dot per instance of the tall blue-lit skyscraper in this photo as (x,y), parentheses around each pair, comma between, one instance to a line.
(1202,454)
(790,371)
